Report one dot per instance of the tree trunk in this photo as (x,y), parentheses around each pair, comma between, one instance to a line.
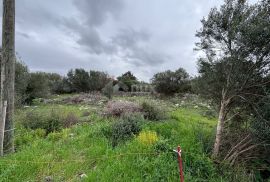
(220,126)
(8,70)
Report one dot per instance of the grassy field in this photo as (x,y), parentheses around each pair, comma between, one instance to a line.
(83,152)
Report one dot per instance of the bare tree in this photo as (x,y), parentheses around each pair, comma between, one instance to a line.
(8,71)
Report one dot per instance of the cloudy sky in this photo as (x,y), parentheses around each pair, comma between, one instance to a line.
(143,36)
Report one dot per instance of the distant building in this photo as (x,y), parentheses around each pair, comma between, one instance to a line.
(120,87)
(142,87)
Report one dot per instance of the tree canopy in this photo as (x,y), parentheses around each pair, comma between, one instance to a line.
(170,82)
(235,40)
(128,79)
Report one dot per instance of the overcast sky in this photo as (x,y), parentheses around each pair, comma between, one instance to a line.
(143,36)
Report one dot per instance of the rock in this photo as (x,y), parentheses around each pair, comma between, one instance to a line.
(48,179)
(83,176)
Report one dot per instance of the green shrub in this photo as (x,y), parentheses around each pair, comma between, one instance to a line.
(70,119)
(24,136)
(56,136)
(199,166)
(32,120)
(152,111)
(51,122)
(128,126)
(162,146)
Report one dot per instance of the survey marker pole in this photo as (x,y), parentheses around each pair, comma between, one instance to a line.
(180,164)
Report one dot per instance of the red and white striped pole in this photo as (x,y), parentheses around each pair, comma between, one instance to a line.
(180,164)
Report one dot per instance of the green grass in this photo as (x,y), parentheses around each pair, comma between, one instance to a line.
(84,149)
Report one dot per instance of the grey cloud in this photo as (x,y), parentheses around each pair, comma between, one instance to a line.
(33,16)
(93,14)
(142,57)
(36,16)
(96,12)
(88,37)
(91,40)
(127,38)
(24,35)
(133,45)
(129,44)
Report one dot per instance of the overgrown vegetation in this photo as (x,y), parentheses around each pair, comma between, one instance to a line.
(51,121)
(122,148)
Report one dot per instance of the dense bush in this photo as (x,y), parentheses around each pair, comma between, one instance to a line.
(118,108)
(171,82)
(152,111)
(70,120)
(29,86)
(51,122)
(124,129)
(41,85)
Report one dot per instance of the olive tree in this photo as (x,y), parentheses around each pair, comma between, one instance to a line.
(235,40)
(171,82)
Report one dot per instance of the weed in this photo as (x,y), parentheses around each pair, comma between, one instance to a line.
(147,137)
